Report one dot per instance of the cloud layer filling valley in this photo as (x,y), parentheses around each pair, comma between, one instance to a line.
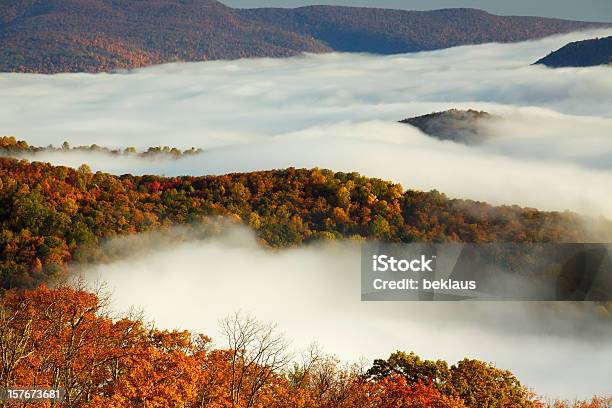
(551,149)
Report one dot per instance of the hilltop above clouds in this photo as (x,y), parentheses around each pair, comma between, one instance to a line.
(587,53)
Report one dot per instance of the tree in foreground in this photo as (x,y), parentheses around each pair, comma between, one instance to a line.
(67,338)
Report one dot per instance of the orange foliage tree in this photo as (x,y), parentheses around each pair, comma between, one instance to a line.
(66,338)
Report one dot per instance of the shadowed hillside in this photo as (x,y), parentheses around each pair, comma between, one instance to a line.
(597,51)
(385,31)
(456,125)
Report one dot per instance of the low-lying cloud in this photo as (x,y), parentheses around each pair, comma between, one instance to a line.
(224,102)
(313,294)
(551,147)
(549,175)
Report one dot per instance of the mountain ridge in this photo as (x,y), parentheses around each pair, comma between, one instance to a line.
(412,30)
(55,215)
(587,53)
(103,35)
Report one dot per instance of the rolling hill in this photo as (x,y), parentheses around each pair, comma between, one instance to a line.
(588,53)
(52,216)
(385,31)
(53,36)
(460,126)
(100,35)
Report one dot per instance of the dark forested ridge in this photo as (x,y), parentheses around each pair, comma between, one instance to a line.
(385,31)
(463,126)
(587,53)
(52,215)
(100,35)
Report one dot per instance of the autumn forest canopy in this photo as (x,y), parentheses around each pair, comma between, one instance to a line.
(9,146)
(55,216)
(171,276)
(67,338)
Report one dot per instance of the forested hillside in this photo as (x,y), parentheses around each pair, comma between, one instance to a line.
(101,35)
(67,338)
(588,53)
(52,215)
(461,126)
(384,31)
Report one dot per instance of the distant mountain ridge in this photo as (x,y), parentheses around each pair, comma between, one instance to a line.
(387,31)
(50,36)
(100,35)
(587,53)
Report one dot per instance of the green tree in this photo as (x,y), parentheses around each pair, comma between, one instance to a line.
(412,368)
(480,384)
(380,228)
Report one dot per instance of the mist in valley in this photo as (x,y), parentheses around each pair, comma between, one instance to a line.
(313,294)
(549,146)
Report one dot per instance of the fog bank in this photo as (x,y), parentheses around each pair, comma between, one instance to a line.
(313,294)
(549,147)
